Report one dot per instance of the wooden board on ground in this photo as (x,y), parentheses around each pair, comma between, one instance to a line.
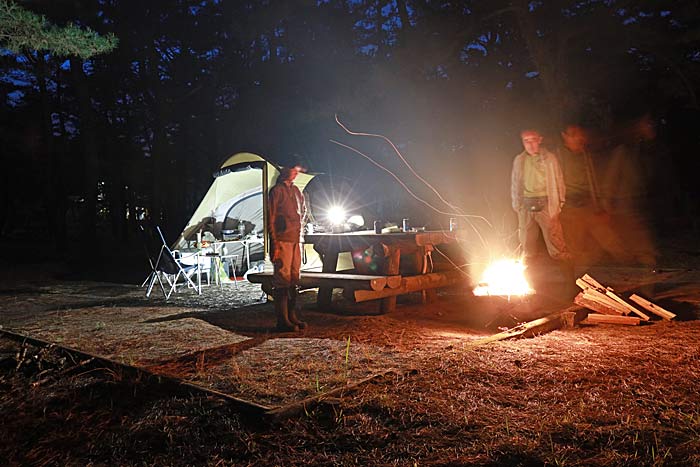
(654,308)
(595,318)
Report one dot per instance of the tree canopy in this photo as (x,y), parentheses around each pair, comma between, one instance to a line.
(22,30)
(142,128)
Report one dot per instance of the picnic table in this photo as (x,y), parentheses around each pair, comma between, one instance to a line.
(390,249)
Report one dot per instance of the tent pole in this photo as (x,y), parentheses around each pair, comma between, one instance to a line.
(266,220)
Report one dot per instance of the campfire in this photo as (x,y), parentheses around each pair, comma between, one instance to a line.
(505,277)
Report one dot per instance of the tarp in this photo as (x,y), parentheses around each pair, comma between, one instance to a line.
(235,197)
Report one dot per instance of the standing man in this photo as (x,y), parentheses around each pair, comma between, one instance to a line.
(538,194)
(287,212)
(586,225)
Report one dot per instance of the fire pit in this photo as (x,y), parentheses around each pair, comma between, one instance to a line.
(504,278)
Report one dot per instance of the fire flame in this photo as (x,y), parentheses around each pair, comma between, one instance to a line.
(505,277)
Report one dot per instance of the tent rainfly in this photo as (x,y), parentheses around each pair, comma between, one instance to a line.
(236,197)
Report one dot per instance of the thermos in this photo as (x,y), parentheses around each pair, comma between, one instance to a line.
(377,227)
(405,225)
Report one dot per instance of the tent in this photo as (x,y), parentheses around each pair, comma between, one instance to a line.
(234,199)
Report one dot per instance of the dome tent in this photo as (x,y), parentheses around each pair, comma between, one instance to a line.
(235,197)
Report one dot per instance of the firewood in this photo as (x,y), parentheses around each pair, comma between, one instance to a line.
(654,308)
(595,318)
(590,303)
(610,293)
(593,282)
(592,293)
(605,300)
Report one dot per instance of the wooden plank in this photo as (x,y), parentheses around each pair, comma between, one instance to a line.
(595,318)
(654,308)
(412,284)
(593,282)
(335,280)
(600,296)
(634,310)
(603,299)
(611,293)
(142,373)
(586,302)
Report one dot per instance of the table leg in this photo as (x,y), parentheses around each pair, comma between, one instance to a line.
(391,268)
(325,294)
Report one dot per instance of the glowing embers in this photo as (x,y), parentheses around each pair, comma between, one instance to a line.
(505,277)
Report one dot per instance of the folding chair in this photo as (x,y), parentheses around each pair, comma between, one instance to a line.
(168,266)
(151,250)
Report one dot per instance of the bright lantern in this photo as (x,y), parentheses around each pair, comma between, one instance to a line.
(336,215)
(504,277)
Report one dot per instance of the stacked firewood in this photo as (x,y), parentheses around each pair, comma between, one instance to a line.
(611,308)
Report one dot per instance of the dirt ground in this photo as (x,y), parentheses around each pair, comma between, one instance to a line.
(421,386)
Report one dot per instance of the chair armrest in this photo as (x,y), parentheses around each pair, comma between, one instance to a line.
(179,255)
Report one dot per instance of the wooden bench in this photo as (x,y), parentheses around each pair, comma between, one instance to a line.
(363,288)
(347,281)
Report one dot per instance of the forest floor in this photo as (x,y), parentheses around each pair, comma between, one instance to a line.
(204,380)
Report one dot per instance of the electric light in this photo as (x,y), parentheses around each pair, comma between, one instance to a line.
(335,215)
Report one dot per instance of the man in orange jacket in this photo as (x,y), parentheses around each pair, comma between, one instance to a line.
(287,212)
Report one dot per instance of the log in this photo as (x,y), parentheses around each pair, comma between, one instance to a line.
(409,284)
(334,280)
(654,308)
(618,299)
(593,305)
(391,268)
(530,328)
(393,282)
(325,279)
(595,318)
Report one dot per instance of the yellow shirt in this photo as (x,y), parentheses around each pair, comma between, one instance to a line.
(534,178)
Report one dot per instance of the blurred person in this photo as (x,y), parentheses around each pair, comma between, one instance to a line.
(626,187)
(586,224)
(287,212)
(538,193)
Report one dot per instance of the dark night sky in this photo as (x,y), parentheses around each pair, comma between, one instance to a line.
(451,84)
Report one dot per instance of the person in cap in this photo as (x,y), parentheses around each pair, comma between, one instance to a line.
(287,212)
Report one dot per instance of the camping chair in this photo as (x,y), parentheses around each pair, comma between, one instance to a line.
(152,251)
(168,265)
